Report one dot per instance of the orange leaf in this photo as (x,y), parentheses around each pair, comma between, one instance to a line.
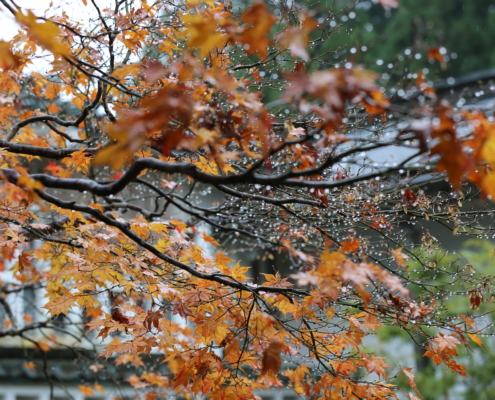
(259,20)
(209,239)
(24,261)
(351,245)
(86,390)
(44,33)
(407,372)
(399,257)
(30,365)
(475,339)
(7,59)
(60,305)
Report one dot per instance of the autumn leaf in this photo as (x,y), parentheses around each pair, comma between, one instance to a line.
(150,125)
(351,245)
(30,365)
(152,320)
(7,59)
(437,53)
(376,365)
(475,298)
(271,361)
(60,305)
(119,317)
(371,322)
(24,261)
(45,33)
(407,372)
(179,307)
(375,103)
(79,160)
(400,258)
(259,20)
(100,388)
(201,32)
(446,346)
(86,390)
(296,38)
(475,339)
(209,239)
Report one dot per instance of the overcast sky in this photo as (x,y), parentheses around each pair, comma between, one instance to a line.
(74,8)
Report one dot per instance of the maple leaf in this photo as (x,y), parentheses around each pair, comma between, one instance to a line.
(447,344)
(437,53)
(201,32)
(475,298)
(31,185)
(96,367)
(375,102)
(276,281)
(45,33)
(351,245)
(407,372)
(296,39)
(371,322)
(60,305)
(100,388)
(259,21)
(152,320)
(30,365)
(376,365)
(271,361)
(209,239)
(179,307)
(127,358)
(80,160)
(119,317)
(399,257)
(24,261)
(476,339)
(7,59)
(86,390)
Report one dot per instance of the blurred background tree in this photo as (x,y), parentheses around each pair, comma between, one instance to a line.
(398,38)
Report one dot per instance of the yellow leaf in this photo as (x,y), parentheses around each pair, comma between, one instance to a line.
(7,59)
(43,32)
(475,339)
(201,32)
(126,70)
(115,156)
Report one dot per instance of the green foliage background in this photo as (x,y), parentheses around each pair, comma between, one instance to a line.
(465,28)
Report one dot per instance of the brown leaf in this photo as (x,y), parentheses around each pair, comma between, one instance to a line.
(119,317)
(255,35)
(271,361)
(24,261)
